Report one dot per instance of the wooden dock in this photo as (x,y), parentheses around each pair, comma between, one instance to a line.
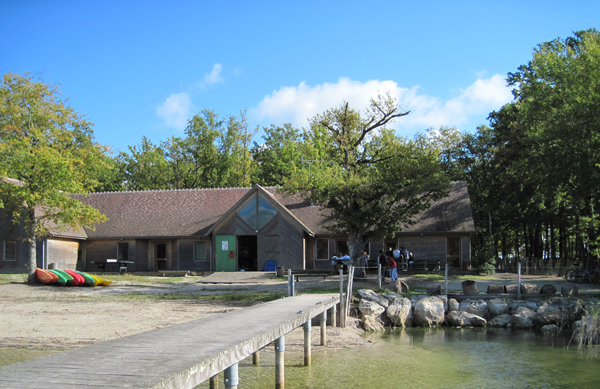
(178,356)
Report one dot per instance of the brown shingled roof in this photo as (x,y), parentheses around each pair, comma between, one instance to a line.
(193,212)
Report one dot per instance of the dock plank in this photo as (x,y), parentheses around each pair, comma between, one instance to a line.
(178,356)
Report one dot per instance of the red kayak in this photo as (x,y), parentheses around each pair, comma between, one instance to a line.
(76,277)
(45,276)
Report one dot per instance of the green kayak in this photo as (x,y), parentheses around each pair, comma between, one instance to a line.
(67,276)
(89,280)
(62,280)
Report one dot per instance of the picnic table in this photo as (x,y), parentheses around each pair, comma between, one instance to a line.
(122,264)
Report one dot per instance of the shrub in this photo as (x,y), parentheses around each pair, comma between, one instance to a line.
(486,269)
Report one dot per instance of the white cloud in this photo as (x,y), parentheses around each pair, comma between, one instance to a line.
(175,110)
(214,77)
(297,104)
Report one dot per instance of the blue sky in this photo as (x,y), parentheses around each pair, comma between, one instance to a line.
(138,68)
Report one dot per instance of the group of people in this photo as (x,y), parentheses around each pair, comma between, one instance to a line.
(393,258)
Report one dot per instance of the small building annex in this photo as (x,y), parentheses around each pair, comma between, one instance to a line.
(230,229)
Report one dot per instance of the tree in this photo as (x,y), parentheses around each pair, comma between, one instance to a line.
(275,158)
(48,147)
(369,181)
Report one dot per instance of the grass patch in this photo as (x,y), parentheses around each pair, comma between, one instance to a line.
(440,277)
(10,278)
(135,279)
(242,298)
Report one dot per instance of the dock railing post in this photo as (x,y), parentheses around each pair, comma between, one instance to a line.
(256,358)
(280,362)
(232,379)
(446,278)
(519,280)
(307,343)
(379,275)
(323,328)
(342,309)
(291,285)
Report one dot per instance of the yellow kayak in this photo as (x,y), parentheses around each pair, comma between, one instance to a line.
(105,282)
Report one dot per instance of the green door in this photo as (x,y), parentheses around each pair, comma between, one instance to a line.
(226,253)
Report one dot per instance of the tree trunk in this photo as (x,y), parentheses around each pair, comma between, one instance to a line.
(356,246)
(31,244)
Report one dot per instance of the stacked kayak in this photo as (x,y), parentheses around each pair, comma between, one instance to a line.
(69,277)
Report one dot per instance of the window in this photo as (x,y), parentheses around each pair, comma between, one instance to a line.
(257,212)
(322,249)
(453,251)
(342,247)
(123,251)
(10,250)
(199,251)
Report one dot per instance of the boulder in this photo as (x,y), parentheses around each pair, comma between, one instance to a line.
(550,329)
(523,318)
(558,311)
(529,288)
(400,287)
(444,299)
(496,289)
(469,287)
(569,291)
(367,308)
(464,319)
(548,289)
(400,313)
(369,295)
(434,290)
(531,304)
(500,321)
(497,307)
(428,312)
(476,307)
(372,323)
(391,296)
(453,305)
(512,289)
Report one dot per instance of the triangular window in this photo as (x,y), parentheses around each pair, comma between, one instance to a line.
(257,212)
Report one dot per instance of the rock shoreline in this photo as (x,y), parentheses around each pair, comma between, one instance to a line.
(551,315)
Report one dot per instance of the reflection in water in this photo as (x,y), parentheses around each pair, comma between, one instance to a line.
(436,358)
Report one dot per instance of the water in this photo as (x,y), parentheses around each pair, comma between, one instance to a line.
(436,358)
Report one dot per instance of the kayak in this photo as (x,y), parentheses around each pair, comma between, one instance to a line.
(61,279)
(105,282)
(69,278)
(45,277)
(76,276)
(97,280)
(88,279)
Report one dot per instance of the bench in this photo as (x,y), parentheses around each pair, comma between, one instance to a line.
(122,264)
(311,275)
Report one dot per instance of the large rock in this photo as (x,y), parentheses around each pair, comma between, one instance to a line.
(500,321)
(369,295)
(497,307)
(400,286)
(512,289)
(476,307)
(391,296)
(469,287)
(400,313)
(496,289)
(569,291)
(529,288)
(453,305)
(532,304)
(523,318)
(367,308)
(550,329)
(428,312)
(548,289)
(464,319)
(372,323)
(558,311)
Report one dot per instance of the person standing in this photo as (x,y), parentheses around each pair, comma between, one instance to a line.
(393,266)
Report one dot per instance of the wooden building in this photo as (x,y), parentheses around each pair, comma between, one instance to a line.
(230,229)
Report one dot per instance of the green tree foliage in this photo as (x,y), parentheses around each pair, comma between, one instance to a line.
(276,157)
(47,146)
(369,181)
(534,175)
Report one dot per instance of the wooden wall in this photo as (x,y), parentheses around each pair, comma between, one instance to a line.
(185,255)
(62,253)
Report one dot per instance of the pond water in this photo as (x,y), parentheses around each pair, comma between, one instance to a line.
(436,358)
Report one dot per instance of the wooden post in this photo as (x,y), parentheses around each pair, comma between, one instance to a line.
(323,328)
(333,315)
(349,293)
(256,358)
(214,382)
(232,379)
(519,282)
(342,309)
(307,342)
(379,275)
(446,277)
(279,362)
